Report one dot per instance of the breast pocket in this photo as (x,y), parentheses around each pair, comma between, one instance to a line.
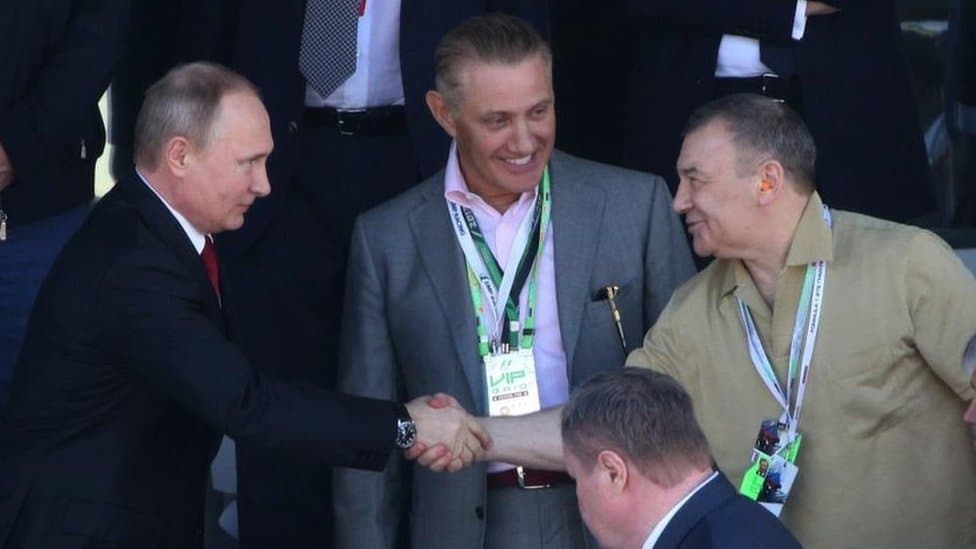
(599,346)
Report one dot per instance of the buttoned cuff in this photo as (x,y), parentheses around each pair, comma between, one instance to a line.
(800,19)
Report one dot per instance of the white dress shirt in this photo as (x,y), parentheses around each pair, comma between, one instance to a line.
(738,56)
(377,81)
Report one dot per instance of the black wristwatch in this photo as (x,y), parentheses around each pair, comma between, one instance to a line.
(406,431)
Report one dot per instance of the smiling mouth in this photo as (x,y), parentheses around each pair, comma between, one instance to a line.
(523,161)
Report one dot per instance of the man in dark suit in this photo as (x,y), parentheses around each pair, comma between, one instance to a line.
(420,316)
(338,151)
(839,64)
(644,473)
(57,60)
(127,376)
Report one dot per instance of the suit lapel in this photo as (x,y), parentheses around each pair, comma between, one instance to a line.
(577,215)
(443,261)
(161,222)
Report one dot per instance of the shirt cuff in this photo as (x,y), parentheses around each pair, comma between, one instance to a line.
(800,19)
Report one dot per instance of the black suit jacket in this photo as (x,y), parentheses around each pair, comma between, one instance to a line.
(718,517)
(126,381)
(58,57)
(266,49)
(854,85)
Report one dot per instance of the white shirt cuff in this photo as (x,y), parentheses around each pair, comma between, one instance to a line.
(800,19)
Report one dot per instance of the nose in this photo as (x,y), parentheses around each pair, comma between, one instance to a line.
(682,198)
(522,142)
(970,415)
(261,186)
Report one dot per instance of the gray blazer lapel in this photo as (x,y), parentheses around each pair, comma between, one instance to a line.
(577,216)
(443,261)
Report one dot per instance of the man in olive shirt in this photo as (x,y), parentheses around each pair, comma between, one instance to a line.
(892,309)
(883,442)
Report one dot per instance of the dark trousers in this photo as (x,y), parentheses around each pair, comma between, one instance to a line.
(25,258)
(290,288)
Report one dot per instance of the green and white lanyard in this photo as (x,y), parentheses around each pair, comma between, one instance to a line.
(485,277)
(809,309)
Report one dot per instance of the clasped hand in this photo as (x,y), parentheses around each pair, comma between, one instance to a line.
(448,437)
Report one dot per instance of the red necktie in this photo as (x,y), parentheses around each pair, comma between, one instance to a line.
(209,257)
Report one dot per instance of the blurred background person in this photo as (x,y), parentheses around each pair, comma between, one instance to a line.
(58,61)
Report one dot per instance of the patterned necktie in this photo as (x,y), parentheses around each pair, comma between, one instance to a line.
(209,257)
(328,53)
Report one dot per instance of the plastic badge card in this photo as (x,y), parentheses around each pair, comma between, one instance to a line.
(512,389)
(769,478)
(768,481)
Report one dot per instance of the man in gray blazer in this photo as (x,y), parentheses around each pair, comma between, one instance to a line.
(589,254)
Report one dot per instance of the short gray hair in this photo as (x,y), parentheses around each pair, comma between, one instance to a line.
(645,416)
(184,103)
(490,38)
(763,127)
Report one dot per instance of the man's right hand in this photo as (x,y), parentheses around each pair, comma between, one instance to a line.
(447,436)
(6,169)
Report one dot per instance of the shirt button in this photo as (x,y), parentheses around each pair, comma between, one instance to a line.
(479,512)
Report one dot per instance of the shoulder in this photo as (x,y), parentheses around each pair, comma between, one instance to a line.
(605,176)
(866,243)
(397,209)
(700,294)
(743,523)
(865,234)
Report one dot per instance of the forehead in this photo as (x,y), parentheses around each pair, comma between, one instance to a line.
(503,86)
(242,119)
(241,111)
(709,145)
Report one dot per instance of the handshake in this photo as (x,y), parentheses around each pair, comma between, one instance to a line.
(448,437)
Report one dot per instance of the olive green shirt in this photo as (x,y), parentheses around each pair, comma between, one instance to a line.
(886,459)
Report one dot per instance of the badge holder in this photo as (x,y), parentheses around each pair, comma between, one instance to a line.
(511,383)
(769,478)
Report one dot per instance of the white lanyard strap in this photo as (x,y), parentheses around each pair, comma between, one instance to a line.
(809,308)
(498,297)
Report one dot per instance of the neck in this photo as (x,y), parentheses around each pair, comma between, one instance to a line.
(765,274)
(769,258)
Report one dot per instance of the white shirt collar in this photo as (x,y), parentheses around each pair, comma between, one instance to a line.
(197,238)
(663,523)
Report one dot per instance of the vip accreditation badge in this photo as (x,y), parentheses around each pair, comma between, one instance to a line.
(511,384)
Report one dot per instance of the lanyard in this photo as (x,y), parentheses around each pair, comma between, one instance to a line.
(485,277)
(809,309)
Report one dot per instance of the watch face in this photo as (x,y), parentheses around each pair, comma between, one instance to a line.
(406,434)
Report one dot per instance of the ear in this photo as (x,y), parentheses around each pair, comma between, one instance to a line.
(442,112)
(177,153)
(771,182)
(613,469)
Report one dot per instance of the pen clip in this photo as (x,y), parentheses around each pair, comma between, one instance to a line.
(611,292)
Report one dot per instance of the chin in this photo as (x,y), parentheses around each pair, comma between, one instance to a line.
(233,225)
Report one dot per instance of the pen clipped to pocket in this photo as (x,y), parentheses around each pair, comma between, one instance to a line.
(610,293)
